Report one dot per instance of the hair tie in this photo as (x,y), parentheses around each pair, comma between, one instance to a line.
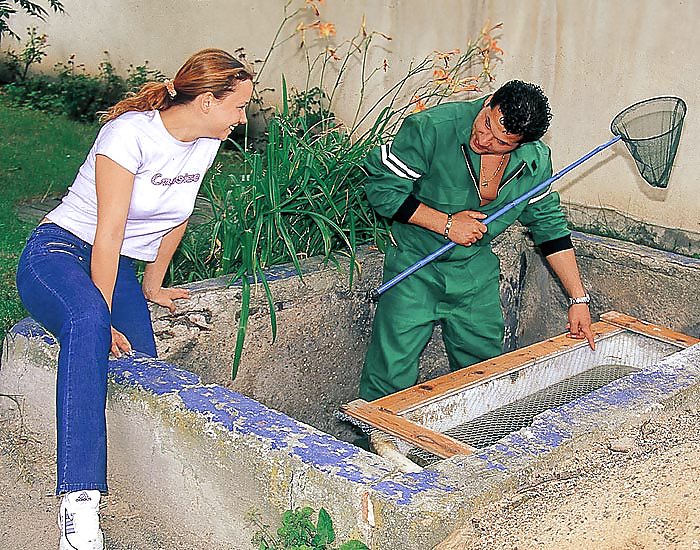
(172,92)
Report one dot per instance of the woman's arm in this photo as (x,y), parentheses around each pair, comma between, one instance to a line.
(155,271)
(564,265)
(114,185)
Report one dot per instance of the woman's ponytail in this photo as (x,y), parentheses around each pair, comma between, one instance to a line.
(209,70)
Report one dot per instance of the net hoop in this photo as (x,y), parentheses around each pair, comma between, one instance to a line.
(680,103)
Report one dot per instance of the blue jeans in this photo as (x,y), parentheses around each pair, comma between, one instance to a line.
(53,279)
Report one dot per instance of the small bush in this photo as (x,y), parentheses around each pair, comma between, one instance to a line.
(18,63)
(71,90)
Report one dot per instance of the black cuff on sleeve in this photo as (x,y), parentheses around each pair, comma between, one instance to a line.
(556,245)
(406,210)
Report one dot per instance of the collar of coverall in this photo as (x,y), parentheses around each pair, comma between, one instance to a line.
(524,152)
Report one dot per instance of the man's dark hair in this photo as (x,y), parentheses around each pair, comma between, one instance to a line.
(525,109)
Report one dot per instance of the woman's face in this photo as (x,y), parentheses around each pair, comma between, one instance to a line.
(229,112)
(488,135)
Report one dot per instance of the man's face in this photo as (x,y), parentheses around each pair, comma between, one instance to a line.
(489,137)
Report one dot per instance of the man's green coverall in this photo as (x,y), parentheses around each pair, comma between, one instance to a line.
(430,162)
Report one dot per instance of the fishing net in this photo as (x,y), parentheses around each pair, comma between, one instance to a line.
(651,130)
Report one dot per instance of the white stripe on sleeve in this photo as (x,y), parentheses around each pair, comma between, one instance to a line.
(540,197)
(395,165)
(401,164)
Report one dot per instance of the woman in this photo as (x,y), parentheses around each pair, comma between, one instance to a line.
(131,199)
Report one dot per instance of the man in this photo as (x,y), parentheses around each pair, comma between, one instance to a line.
(448,168)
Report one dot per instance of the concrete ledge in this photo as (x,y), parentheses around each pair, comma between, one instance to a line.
(208,455)
(205,456)
(323,330)
(608,221)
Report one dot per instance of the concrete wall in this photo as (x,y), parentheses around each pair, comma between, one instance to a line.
(324,327)
(659,287)
(593,57)
(323,330)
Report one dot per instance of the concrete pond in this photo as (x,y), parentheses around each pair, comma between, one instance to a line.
(270,441)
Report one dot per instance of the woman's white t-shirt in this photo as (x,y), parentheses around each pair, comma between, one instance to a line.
(167,177)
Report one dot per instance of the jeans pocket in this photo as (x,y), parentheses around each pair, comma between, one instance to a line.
(59,247)
(50,239)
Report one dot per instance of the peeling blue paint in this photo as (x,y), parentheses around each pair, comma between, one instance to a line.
(335,457)
(153,375)
(404,487)
(273,273)
(235,411)
(29,328)
(241,414)
(489,462)
(554,427)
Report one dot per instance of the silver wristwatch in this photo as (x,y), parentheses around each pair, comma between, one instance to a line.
(580,300)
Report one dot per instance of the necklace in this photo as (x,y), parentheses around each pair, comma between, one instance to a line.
(484,183)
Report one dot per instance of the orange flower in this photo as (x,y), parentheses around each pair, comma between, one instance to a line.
(445,56)
(441,76)
(420,105)
(325,30)
(301,29)
(491,43)
(312,5)
(488,29)
(469,84)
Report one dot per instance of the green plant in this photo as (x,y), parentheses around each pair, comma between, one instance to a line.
(311,106)
(34,51)
(73,91)
(84,95)
(138,75)
(301,196)
(299,532)
(301,193)
(9,8)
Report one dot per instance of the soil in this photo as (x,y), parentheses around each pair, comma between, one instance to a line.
(29,509)
(629,490)
(632,490)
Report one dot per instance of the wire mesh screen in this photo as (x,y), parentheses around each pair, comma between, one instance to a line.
(464,404)
(651,130)
(487,429)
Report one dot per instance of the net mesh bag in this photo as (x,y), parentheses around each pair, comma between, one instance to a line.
(651,130)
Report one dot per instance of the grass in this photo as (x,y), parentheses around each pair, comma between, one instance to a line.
(39,156)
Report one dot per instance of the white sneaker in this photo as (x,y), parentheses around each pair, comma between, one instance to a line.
(79,521)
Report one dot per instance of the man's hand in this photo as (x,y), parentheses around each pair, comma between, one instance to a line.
(165,296)
(119,343)
(579,325)
(466,228)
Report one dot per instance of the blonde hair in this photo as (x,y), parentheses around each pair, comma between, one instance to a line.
(211,70)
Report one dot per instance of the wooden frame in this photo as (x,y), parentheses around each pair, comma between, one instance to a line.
(385,413)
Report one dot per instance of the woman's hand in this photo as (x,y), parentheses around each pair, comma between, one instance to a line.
(165,296)
(119,343)
(466,228)
(579,325)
